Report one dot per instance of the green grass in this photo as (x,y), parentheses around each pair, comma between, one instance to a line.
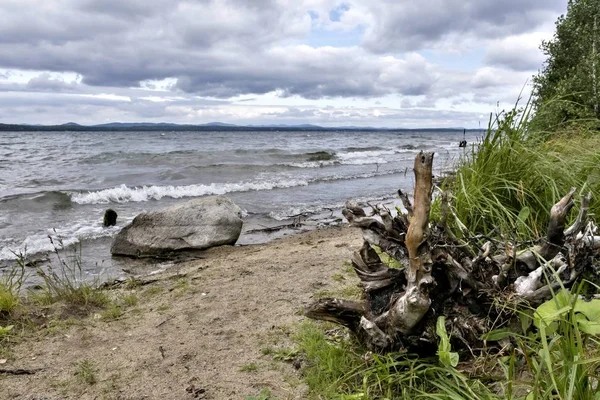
(267,351)
(265,394)
(515,168)
(130,300)
(250,367)
(86,371)
(349,292)
(8,301)
(112,313)
(65,282)
(10,287)
(563,365)
(285,354)
(153,291)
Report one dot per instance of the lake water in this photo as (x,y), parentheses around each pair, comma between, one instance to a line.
(60,183)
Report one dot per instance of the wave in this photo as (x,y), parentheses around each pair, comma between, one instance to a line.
(272,150)
(61,237)
(126,194)
(365,154)
(129,156)
(59,200)
(359,149)
(321,164)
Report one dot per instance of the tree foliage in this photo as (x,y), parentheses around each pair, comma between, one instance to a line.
(567,88)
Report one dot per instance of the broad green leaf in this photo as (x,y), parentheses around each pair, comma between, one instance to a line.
(587,313)
(591,309)
(586,326)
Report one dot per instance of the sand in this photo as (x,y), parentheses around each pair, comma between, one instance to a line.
(199,331)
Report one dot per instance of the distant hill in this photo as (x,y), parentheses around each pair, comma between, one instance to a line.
(211,126)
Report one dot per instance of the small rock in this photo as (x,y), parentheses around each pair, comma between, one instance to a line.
(110,217)
(198,393)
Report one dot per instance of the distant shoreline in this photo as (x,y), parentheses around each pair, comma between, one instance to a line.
(205,128)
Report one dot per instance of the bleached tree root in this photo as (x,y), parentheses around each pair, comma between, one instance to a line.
(458,275)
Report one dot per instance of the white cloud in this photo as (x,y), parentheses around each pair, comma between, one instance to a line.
(518,52)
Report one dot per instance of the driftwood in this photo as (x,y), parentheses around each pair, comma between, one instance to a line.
(456,274)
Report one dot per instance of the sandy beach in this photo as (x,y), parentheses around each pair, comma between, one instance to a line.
(199,330)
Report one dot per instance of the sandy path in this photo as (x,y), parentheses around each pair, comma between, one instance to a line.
(199,325)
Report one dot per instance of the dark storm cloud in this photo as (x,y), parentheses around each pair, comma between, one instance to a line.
(400,25)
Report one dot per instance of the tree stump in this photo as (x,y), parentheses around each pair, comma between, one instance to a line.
(458,275)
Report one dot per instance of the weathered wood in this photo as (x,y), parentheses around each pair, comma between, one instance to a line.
(412,306)
(461,276)
(555,238)
(343,312)
(581,220)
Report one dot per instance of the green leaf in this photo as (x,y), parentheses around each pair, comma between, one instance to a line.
(446,357)
(586,313)
(553,309)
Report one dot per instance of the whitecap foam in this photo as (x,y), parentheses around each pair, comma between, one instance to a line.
(311,164)
(61,237)
(347,160)
(125,194)
(362,155)
(364,161)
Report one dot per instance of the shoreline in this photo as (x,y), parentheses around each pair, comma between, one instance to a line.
(212,323)
(99,266)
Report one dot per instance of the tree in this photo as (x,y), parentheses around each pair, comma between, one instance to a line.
(567,88)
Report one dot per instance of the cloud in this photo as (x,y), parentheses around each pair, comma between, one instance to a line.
(45,83)
(518,52)
(220,48)
(224,48)
(201,56)
(314,73)
(400,25)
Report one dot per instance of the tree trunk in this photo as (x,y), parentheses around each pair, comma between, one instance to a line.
(460,278)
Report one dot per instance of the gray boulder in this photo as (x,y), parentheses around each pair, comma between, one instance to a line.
(192,225)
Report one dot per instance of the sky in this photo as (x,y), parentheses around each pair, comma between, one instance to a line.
(380,63)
